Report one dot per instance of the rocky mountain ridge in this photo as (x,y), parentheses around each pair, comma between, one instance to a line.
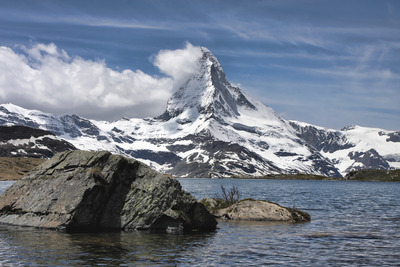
(354,147)
(24,141)
(212,129)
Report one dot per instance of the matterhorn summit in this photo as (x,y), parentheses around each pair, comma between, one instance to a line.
(210,128)
(208,93)
(232,134)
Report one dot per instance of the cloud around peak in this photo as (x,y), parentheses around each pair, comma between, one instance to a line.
(179,64)
(45,77)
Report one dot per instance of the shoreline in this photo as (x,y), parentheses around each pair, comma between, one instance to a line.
(361,175)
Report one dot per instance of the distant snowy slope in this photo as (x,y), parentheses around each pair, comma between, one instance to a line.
(354,147)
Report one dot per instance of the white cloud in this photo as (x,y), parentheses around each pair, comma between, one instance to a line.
(179,64)
(47,78)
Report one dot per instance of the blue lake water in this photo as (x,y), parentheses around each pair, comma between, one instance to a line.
(352,224)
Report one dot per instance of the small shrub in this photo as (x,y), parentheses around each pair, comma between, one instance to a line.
(227,198)
(230,196)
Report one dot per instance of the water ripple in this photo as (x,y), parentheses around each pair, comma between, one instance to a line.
(353,224)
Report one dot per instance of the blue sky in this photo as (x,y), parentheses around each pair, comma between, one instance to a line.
(329,63)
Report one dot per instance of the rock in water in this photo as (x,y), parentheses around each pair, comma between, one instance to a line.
(259,210)
(86,191)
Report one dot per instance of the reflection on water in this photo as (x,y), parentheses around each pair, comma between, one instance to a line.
(29,246)
(353,223)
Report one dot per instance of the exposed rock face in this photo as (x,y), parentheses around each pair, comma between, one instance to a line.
(85,191)
(322,139)
(353,147)
(258,210)
(24,141)
(394,137)
(367,160)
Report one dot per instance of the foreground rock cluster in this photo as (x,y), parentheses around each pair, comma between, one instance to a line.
(90,191)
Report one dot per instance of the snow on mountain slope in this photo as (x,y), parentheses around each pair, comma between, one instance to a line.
(354,147)
(372,149)
(211,129)
(23,141)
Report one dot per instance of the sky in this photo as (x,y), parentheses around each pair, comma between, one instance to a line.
(328,63)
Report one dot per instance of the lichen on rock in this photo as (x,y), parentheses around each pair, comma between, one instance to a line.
(257,210)
(87,191)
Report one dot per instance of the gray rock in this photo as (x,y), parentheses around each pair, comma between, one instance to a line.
(258,210)
(90,191)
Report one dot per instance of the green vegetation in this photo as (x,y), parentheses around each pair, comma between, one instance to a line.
(298,215)
(374,175)
(297,176)
(228,198)
(361,175)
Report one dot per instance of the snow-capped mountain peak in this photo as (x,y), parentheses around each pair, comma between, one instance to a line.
(207,93)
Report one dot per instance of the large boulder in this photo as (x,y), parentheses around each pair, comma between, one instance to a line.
(259,210)
(86,191)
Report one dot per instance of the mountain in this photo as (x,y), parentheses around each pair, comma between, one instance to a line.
(212,129)
(24,141)
(354,147)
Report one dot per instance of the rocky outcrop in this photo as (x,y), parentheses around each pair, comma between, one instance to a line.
(369,159)
(87,191)
(23,141)
(258,210)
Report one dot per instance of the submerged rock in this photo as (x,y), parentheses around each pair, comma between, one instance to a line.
(91,191)
(258,210)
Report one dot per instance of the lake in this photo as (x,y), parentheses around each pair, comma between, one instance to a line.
(352,224)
